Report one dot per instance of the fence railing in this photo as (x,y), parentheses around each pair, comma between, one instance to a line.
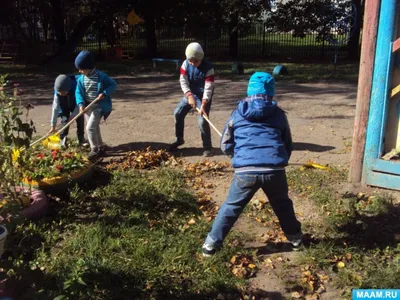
(255,42)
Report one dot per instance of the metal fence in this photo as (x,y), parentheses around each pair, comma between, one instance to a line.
(255,42)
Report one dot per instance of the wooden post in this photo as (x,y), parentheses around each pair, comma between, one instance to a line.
(370,28)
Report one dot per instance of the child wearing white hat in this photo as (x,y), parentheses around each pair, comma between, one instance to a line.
(197,83)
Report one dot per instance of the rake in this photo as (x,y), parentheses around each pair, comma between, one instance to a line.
(51,140)
(209,122)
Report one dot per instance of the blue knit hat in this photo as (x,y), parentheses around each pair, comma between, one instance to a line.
(261,83)
(84,60)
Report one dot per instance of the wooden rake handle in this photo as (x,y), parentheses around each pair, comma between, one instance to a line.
(66,125)
(209,122)
(77,116)
(39,140)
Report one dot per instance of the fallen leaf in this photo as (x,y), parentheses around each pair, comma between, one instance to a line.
(192,221)
(252,266)
(296,295)
(312,297)
(340,265)
(268,261)
(321,289)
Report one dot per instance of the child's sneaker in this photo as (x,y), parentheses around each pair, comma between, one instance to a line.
(296,245)
(295,240)
(93,155)
(208,153)
(174,146)
(102,151)
(208,250)
(64,143)
(83,143)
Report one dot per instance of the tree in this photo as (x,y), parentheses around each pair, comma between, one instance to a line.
(239,14)
(321,16)
(354,41)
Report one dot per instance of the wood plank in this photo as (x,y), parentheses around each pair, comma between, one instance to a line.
(370,29)
(387,166)
(395,91)
(383,180)
(396,45)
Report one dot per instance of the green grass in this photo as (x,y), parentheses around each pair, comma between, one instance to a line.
(297,72)
(127,239)
(356,230)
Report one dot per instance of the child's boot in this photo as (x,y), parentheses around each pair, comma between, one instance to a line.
(174,146)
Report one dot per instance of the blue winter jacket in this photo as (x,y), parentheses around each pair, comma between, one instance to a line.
(106,85)
(257,134)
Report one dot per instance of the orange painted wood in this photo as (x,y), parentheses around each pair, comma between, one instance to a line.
(370,29)
(396,45)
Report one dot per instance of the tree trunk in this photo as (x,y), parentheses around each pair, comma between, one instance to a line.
(150,30)
(45,24)
(69,47)
(353,46)
(233,39)
(58,22)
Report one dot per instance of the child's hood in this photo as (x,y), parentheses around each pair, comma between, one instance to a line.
(255,109)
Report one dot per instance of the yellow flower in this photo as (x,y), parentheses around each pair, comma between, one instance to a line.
(15,154)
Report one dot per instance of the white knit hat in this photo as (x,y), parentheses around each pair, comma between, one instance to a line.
(194,50)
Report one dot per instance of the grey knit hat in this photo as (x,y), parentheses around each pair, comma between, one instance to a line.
(63,83)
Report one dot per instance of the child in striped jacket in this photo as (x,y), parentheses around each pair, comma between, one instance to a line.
(91,85)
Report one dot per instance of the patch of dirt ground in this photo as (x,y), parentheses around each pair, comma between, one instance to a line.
(320,114)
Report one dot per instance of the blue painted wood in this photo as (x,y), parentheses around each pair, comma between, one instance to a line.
(176,61)
(166,59)
(385,166)
(379,94)
(384,180)
(279,70)
(387,91)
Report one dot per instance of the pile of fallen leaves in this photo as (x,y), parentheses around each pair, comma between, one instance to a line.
(242,266)
(213,167)
(146,159)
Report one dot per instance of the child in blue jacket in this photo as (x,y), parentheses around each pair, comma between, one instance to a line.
(197,84)
(257,137)
(93,84)
(64,106)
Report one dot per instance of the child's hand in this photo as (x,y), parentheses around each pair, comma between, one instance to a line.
(101,96)
(202,108)
(192,102)
(53,129)
(81,109)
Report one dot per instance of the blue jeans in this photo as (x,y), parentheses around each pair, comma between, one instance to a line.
(180,113)
(242,189)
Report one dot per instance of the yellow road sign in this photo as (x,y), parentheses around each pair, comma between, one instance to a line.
(134,19)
